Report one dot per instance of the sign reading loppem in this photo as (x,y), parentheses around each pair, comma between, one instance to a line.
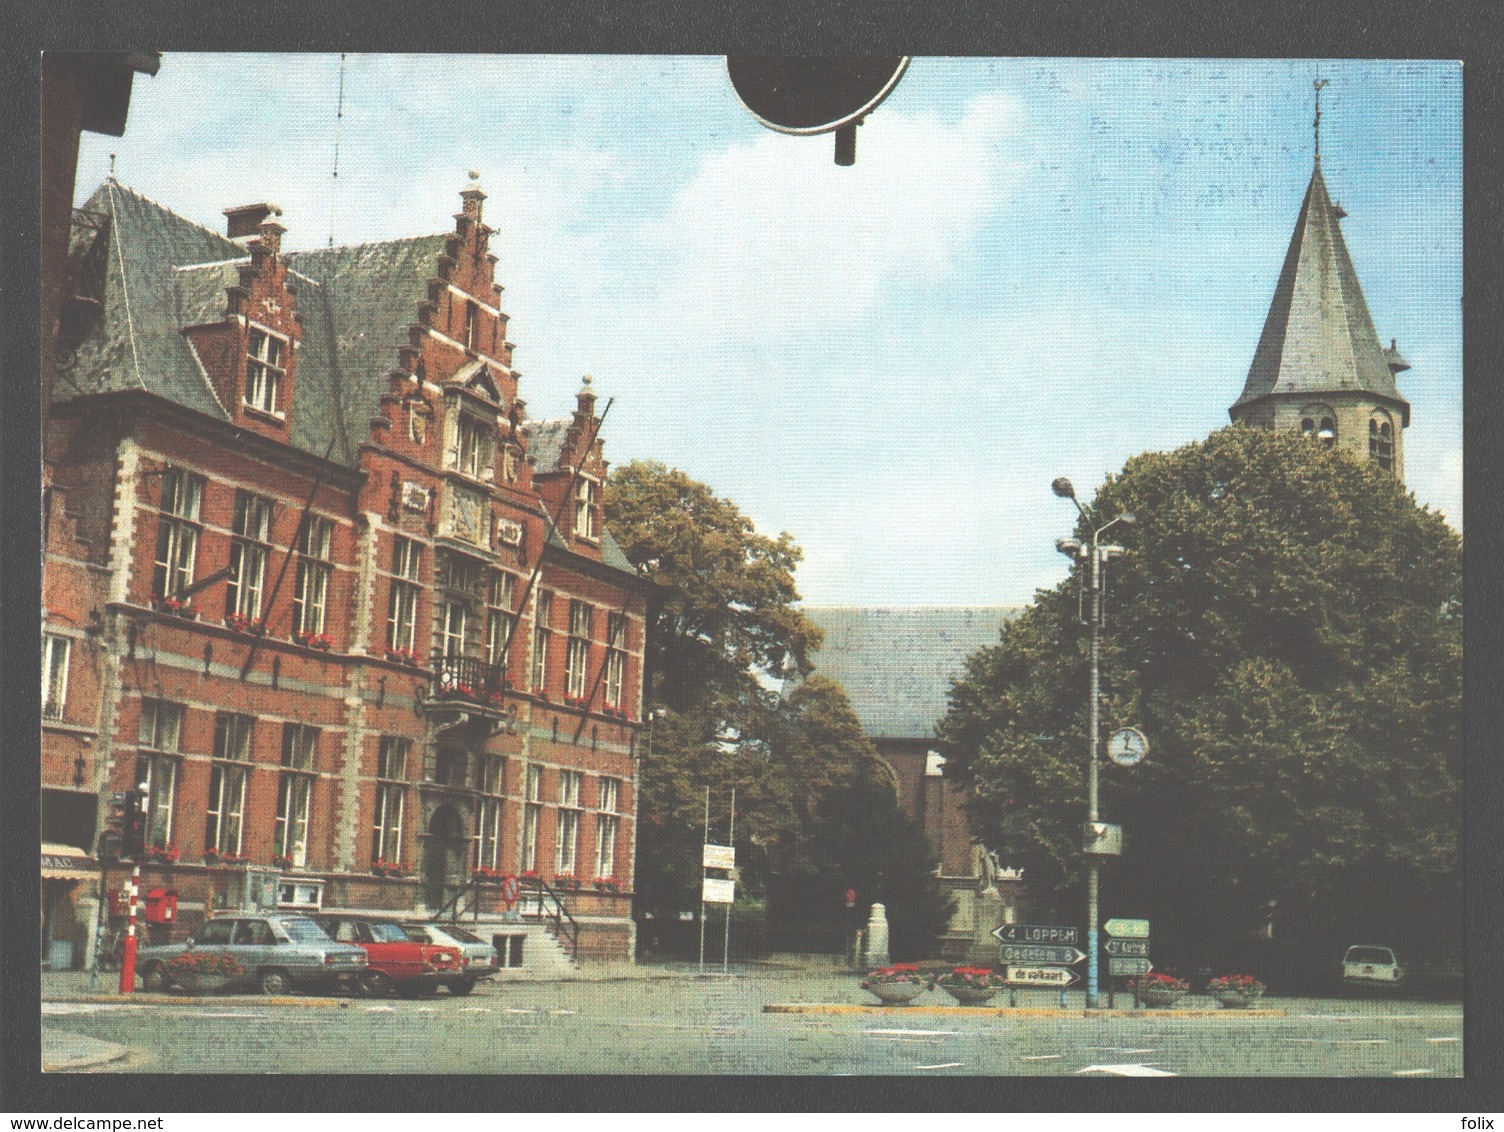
(1037,933)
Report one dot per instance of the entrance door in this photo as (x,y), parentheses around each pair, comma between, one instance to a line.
(444,857)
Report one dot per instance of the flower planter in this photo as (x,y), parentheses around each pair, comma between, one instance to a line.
(1236,1000)
(1151,996)
(971,996)
(897,994)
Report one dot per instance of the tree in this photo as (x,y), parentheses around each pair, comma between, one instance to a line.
(1286,628)
(726,635)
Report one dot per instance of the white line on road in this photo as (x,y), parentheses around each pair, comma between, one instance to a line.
(1411,1072)
(202,1014)
(946,1065)
(1443,1039)
(520,1010)
(563,1012)
(1126,1070)
(919,1033)
(1043,1057)
(381,1009)
(89,1007)
(475,1010)
(425,1010)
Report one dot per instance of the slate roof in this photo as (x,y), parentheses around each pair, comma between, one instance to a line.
(164,272)
(1319,336)
(545,444)
(897,663)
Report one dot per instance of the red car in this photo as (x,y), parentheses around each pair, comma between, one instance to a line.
(395,960)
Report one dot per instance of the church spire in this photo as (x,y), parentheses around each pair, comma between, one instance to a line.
(1319,364)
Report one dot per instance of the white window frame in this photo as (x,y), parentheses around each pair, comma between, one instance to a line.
(577,650)
(607,826)
(454,620)
(541,633)
(224,821)
(587,498)
(567,843)
(159,735)
(294,802)
(531,813)
(57,652)
(402,616)
(264,373)
(249,553)
(178,532)
(310,599)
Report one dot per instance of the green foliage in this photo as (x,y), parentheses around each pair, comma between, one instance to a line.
(810,796)
(1287,629)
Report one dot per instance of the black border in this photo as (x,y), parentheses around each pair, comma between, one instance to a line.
(1231,28)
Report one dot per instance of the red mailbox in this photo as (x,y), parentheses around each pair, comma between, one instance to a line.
(161,906)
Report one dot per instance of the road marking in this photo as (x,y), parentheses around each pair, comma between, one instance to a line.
(475,1010)
(563,1012)
(520,1010)
(946,1065)
(1126,1070)
(381,1009)
(1043,1057)
(203,1014)
(918,1033)
(1119,1049)
(425,1010)
(1411,1072)
(1443,1039)
(1362,1042)
(89,1007)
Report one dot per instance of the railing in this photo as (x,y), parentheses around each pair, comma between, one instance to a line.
(467,678)
(536,900)
(546,905)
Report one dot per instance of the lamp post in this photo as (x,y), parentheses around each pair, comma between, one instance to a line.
(1098,552)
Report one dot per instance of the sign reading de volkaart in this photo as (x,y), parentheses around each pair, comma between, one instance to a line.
(1040,976)
(1036,933)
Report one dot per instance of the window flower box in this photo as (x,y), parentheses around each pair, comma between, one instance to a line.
(218,857)
(281,861)
(485,874)
(383,868)
(606,884)
(566,882)
(173,607)
(241,623)
(162,854)
(322,642)
(404,656)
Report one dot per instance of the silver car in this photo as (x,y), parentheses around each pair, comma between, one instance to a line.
(277,953)
(478,957)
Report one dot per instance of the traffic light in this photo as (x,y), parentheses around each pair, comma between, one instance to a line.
(114,822)
(133,831)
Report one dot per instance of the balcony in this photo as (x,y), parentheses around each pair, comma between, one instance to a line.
(469,690)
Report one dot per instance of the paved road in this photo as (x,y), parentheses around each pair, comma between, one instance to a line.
(690,1025)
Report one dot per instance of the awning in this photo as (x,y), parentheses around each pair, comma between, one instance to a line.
(67,862)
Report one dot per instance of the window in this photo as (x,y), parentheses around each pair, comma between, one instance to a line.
(227,782)
(391,799)
(607,827)
(474,455)
(577,652)
(569,822)
(264,371)
(488,812)
(177,532)
(616,657)
(290,835)
(532,808)
(402,620)
(1381,441)
(540,640)
(248,554)
(1319,423)
(311,593)
(587,498)
(454,618)
(499,617)
(472,320)
(55,653)
(159,733)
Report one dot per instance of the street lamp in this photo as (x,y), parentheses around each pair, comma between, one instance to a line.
(1097,553)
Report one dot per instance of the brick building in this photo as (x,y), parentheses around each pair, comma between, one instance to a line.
(316,580)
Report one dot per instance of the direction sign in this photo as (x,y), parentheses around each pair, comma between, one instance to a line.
(1129,966)
(1035,953)
(1128,929)
(1037,933)
(1040,976)
(718,856)
(1127,947)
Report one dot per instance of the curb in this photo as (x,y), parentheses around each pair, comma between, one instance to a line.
(198,999)
(1007,1011)
(104,1053)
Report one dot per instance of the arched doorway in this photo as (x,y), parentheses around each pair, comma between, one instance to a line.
(443,856)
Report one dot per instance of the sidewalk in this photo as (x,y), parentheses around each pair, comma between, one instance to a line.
(64,1052)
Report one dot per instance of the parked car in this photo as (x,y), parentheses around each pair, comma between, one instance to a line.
(1370,965)
(277,953)
(477,957)
(395,960)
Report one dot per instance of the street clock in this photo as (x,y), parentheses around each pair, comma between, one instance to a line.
(1127,746)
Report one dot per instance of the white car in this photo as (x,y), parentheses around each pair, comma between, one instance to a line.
(478,958)
(1369,965)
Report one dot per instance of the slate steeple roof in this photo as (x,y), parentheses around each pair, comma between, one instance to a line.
(1319,337)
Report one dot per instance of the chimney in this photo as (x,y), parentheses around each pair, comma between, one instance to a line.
(246,219)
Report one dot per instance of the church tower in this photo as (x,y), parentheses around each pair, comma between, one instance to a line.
(1319,366)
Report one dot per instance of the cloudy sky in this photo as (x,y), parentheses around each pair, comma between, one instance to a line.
(1036,267)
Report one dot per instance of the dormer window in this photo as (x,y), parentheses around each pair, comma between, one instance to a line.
(587,500)
(265,369)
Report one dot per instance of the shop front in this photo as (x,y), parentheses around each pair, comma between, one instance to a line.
(70,881)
